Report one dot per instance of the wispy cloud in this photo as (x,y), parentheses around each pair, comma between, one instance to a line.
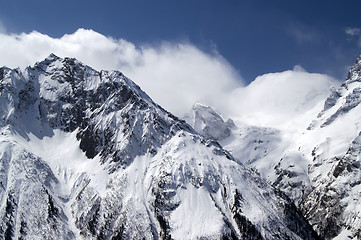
(303,34)
(299,68)
(2,27)
(354,33)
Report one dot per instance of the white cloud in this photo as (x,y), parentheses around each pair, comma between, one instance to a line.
(174,74)
(279,99)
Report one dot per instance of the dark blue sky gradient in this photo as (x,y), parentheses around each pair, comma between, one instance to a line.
(256,37)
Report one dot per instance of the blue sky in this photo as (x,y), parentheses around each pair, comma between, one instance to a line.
(256,37)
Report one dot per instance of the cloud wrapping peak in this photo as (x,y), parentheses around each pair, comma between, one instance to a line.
(278,99)
(174,74)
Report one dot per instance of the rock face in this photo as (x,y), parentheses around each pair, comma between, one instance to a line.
(88,155)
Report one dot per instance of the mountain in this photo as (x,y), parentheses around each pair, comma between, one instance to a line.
(333,205)
(209,123)
(88,155)
(314,159)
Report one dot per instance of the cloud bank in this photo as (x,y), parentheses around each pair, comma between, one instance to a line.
(280,99)
(176,75)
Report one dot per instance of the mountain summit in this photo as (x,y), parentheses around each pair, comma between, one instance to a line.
(88,155)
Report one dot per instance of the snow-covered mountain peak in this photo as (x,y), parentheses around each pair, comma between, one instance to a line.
(354,73)
(51,58)
(51,61)
(3,71)
(70,71)
(209,123)
(86,154)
